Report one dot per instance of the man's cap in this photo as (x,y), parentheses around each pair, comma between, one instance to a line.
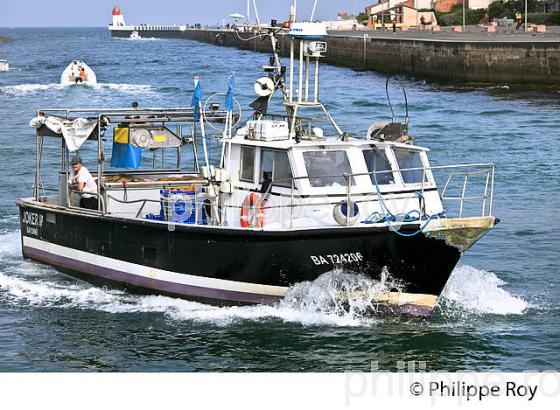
(76,160)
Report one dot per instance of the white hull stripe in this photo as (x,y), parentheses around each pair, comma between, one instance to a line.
(180,284)
(153,274)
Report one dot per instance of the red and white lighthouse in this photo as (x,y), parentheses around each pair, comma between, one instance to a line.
(118,19)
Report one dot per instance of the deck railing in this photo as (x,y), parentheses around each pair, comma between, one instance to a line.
(463,199)
(458,196)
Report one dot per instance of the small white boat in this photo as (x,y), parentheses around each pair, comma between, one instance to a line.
(78,72)
(135,36)
(4,66)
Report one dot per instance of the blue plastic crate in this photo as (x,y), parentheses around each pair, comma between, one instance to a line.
(182,207)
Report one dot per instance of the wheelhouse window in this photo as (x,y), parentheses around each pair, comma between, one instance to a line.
(247,164)
(327,168)
(377,162)
(410,159)
(275,167)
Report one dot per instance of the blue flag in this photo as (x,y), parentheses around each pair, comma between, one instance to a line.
(229,94)
(195,103)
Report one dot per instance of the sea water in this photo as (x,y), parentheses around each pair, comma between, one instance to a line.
(499,311)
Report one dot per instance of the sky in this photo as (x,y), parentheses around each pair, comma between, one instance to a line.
(76,13)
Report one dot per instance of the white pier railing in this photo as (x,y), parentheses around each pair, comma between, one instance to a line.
(148,27)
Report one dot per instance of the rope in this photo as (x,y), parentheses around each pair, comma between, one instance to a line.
(389,217)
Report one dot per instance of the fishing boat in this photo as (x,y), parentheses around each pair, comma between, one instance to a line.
(4,65)
(78,72)
(135,36)
(293,196)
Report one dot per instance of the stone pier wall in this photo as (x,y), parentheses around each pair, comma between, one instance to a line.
(443,60)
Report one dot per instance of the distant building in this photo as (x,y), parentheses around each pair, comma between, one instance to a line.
(345,16)
(442,6)
(445,6)
(479,4)
(350,24)
(389,4)
(401,11)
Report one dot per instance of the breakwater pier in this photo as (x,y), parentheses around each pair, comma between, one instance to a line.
(473,56)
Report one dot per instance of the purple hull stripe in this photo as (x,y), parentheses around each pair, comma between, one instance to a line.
(416,310)
(405,309)
(178,289)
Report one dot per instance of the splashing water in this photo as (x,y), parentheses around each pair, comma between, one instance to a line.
(479,291)
(307,303)
(340,293)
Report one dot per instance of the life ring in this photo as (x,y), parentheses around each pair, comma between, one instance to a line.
(248,218)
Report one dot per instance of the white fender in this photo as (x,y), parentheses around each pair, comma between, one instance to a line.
(340,213)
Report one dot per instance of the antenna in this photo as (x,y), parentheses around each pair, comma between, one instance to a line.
(256,13)
(313,11)
(389,98)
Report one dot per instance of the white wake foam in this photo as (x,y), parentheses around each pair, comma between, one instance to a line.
(142,39)
(48,293)
(30,88)
(34,88)
(125,88)
(479,291)
(318,307)
(10,245)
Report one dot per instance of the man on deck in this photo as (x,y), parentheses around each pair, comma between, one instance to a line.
(81,180)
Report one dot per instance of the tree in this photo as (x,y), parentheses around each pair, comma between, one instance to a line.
(497,10)
(362,18)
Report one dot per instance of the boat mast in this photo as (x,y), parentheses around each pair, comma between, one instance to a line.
(313,11)
(292,21)
(256,13)
(310,37)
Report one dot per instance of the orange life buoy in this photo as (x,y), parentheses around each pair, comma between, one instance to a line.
(252,203)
